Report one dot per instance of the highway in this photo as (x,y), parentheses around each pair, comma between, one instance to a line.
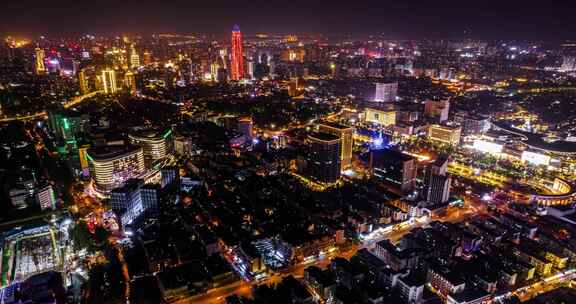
(71,103)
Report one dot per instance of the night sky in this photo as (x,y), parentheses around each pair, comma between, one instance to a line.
(506,19)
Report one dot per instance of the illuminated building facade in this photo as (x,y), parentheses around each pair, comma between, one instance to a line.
(446,134)
(345,134)
(130,81)
(156,144)
(386,92)
(110,166)
(237,55)
(382,117)
(45,198)
(324,157)
(134,58)
(108,79)
(40,58)
(83,82)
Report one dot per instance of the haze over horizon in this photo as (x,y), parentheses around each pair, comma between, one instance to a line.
(414,19)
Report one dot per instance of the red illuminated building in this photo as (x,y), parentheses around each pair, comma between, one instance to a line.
(237,63)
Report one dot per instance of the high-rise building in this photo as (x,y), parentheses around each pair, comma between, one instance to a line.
(40,58)
(251,66)
(345,133)
(135,201)
(323,157)
(446,134)
(83,82)
(394,168)
(237,55)
(110,166)
(134,58)
(45,198)
(157,144)
(130,81)
(384,117)
(436,181)
(122,198)
(108,79)
(437,109)
(386,92)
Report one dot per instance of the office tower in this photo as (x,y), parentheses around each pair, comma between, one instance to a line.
(222,61)
(214,66)
(237,55)
(437,109)
(134,58)
(157,144)
(130,82)
(394,168)
(245,126)
(169,176)
(345,134)
(436,181)
(45,198)
(324,157)
(150,196)
(110,166)
(386,92)
(108,79)
(384,117)
(40,58)
(446,134)
(127,195)
(83,82)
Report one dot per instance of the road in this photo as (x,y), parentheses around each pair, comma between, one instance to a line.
(471,208)
(71,103)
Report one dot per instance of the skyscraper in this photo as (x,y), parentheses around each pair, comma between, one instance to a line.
(109,81)
(134,58)
(237,60)
(324,157)
(345,134)
(40,57)
(83,82)
(436,182)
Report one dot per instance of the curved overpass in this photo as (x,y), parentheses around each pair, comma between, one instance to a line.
(537,142)
(71,103)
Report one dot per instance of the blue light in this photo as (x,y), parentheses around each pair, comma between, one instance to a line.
(378,142)
(255,141)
